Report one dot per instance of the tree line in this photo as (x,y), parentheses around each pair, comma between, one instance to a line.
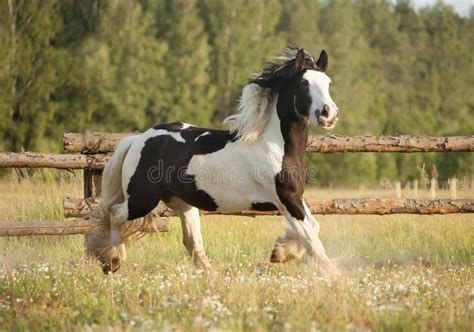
(120,65)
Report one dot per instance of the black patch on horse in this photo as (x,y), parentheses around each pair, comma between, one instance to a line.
(161,171)
(263,206)
(291,180)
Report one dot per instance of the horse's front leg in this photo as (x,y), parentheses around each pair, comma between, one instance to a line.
(192,238)
(326,265)
(302,234)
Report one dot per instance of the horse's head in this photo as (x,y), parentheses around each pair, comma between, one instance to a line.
(302,82)
(312,96)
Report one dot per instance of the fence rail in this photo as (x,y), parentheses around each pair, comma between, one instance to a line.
(22,228)
(25,228)
(76,207)
(80,208)
(52,160)
(94,143)
(93,147)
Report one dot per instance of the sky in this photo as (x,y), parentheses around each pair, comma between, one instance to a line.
(461,6)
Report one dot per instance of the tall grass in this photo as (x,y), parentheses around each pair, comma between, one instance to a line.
(401,272)
(37,197)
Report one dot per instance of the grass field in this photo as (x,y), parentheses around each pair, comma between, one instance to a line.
(401,272)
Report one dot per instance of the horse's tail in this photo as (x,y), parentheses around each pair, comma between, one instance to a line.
(98,242)
(112,191)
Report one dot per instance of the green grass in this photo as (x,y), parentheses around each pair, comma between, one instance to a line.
(401,272)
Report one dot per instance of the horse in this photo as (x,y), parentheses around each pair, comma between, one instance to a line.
(259,164)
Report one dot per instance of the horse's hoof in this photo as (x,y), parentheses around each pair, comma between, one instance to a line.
(285,250)
(330,273)
(212,274)
(209,273)
(112,266)
(108,270)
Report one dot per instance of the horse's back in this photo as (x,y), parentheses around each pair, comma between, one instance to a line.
(156,166)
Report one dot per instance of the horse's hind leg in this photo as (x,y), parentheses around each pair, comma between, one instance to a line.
(192,239)
(106,243)
(118,217)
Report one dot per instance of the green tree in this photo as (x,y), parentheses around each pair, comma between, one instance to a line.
(299,22)
(125,68)
(189,91)
(452,58)
(350,60)
(28,72)
(242,37)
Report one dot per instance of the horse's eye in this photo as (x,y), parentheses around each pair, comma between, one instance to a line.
(304,83)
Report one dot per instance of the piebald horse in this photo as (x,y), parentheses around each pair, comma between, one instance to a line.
(259,164)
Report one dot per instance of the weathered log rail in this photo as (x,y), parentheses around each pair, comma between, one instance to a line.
(94,146)
(25,228)
(92,142)
(76,207)
(402,143)
(95,143)
(52,160)
(81,208)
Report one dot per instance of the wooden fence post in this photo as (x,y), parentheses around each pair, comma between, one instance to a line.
(92,183)
(452,188)
(433,185)
(398,188)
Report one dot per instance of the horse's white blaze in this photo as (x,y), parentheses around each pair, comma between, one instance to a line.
(319,90)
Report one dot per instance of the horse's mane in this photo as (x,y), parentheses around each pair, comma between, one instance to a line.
(283,67)
(256,102)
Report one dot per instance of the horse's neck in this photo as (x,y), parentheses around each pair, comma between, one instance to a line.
(290,134)
(272,132)
(295,135)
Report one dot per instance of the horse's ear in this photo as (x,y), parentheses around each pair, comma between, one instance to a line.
(299,59)
(322,62)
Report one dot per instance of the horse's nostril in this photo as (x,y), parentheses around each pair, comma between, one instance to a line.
(325,111)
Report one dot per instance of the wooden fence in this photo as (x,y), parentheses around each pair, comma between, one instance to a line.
(90,152)
(93,148)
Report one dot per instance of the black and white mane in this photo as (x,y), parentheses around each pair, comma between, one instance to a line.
(256,100)
(257,165)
